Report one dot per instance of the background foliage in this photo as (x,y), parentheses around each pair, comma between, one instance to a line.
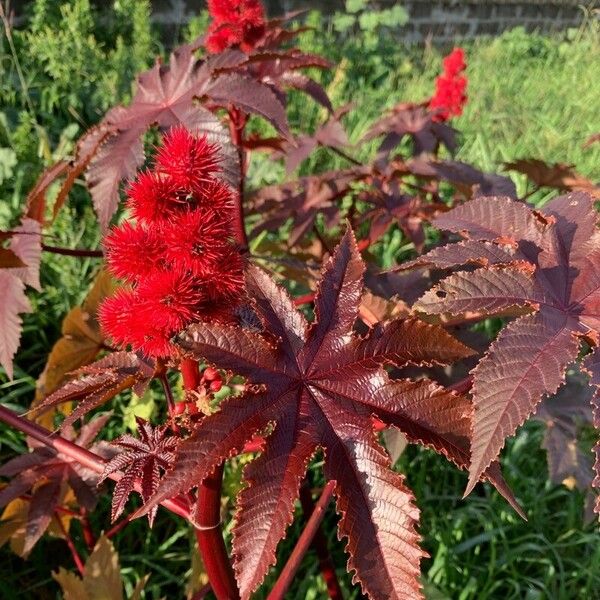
(530,95)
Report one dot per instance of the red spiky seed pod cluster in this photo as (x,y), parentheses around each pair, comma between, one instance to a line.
(235,23)
(177,257)
(450,88)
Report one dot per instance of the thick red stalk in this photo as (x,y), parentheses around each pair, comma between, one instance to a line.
(81,455)
(208,515)
(291,567)
(320,545)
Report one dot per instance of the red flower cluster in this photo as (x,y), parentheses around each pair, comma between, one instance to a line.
(177,257)
(450,87)
(235,23)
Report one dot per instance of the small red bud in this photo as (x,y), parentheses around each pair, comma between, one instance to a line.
(178,409)
(216,385)
(211,374)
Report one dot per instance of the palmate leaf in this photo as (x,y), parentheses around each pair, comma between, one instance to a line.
(166,97)
(279,69)
(80,343)
(547,263)
(318,386)
(45,474)
(558,175)
(304,199)
(466,178)
(141,459)
(390,205)
(26,249)
(415,121)
(100,382)
(101,577)
(564,416)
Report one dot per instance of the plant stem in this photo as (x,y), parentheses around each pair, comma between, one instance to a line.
(291,567)
(306,299)
(320,546)
(345,156)
(81,455)
(76,558)
(79,252)
(237,123)
(118,526)
(210,538)
(168,392)
(15,57)
(208,514)
(88,534)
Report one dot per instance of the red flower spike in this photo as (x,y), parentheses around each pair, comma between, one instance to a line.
(179,257)
(454,63)
(450,87)
(235,23)
(131,250)
(152,198)
(188,161)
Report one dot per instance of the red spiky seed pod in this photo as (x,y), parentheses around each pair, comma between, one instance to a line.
(152,198)
(196,241)
(132,250)
(189,162)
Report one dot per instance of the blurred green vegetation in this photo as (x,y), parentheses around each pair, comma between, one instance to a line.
(529,96)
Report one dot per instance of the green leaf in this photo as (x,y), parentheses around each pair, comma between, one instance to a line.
(354,6)
(139,406)
(342,22)
(8,161)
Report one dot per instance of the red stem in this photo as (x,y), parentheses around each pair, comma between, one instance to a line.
(210,538)
(307,299)
(81,455)
(118,526)
(80,252)
(208,514)
(76,558)
(88,534)
(320,545)
(237,123)
(291,567)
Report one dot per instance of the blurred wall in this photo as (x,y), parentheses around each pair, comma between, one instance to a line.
(441,20)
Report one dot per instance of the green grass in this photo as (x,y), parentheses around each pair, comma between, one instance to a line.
(531,96)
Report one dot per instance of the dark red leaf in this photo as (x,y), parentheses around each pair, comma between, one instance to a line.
(101,381)
(45,473)
(555,272)
(142,461)
(319,386)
